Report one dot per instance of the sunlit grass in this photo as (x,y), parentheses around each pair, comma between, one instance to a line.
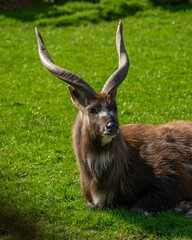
(40,192)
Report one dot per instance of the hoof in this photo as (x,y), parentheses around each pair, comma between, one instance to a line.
(90,205)
(183,206)
(140,211)
(189,214)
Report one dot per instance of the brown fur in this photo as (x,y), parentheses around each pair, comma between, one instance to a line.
(144,167)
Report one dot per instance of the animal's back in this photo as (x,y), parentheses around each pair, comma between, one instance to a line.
(166,148)
(176,134)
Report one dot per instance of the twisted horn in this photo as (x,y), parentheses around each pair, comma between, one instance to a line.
(119,75)
(65,75)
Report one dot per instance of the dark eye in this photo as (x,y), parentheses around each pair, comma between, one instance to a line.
(93,111)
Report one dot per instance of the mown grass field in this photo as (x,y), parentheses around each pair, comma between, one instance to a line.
(40,196)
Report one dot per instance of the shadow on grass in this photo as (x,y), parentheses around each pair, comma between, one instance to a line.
(75,14)
(17,225)
(165,224)
(25,13)
(175,7)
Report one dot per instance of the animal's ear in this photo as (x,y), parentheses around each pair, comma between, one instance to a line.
(78,99)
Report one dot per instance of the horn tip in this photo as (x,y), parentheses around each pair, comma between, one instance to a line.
(120,22)
(36,30)
(39,39)
(119,28)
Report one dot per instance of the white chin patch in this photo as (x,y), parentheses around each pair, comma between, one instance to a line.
(107,139)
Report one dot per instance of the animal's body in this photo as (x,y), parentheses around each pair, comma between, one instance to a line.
(145,167)
(142,167)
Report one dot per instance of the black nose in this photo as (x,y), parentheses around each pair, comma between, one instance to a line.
(111,128)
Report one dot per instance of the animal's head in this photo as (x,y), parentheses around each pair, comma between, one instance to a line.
(98,110)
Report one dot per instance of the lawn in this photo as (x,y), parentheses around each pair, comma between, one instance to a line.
(40,193)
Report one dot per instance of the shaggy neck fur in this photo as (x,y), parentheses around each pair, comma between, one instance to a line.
(104,169)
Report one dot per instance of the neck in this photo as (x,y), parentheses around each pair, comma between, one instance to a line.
(96,156)
(100,158)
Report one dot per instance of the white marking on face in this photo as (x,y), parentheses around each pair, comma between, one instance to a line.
(103,114)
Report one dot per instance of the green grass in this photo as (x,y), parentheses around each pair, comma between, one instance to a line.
(78,12)
(40,196)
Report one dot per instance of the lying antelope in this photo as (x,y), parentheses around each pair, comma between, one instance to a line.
(146,168)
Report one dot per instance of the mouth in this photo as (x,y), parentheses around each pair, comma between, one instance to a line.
(111,132)
(107,138)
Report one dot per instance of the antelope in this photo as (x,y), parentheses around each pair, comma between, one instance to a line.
(143,167)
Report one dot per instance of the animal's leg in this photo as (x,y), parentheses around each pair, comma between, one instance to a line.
(184,206)
(155,201)
(189,214)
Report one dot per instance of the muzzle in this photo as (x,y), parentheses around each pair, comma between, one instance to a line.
(111,128)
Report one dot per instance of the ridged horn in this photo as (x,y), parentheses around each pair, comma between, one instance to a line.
(120,74)
(78,83)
